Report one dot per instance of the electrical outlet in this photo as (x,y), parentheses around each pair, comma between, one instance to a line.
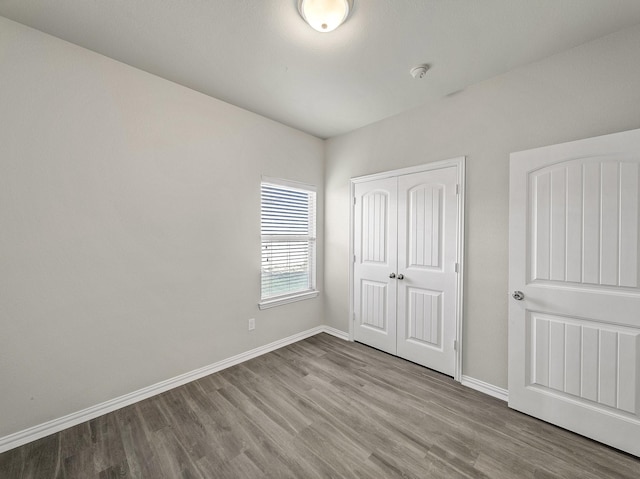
(252,324)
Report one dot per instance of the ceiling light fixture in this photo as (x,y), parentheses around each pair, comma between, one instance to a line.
(325,15)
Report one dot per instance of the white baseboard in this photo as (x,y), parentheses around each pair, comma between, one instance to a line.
(56,425)
(336,332)
(485,388)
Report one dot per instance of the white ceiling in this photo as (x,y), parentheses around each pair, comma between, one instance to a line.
(260,55)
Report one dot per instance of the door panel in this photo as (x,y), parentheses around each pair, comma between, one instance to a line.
(375,214)
(574,341)
(425,316)
(584,360)
(373,312)
(427,232)
(425,223)
(573,204)
(375,233)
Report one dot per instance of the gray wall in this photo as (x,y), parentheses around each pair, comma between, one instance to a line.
(129,228)
(591,90)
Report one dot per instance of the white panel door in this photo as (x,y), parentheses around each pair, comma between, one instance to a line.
(405,290)
(427,279)
(375,239)
(574,337)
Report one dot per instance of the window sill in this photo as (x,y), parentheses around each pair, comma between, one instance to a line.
(272,303)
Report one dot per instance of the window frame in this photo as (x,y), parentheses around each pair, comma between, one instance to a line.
(312,292)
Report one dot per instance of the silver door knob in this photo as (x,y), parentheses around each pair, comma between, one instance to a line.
(518,295)
(401,276)
(392,275)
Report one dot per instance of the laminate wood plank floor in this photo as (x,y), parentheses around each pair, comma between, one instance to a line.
(318,408)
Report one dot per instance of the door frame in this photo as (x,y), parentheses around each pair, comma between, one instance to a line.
(459,164)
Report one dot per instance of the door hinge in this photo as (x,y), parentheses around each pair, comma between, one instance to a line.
(354,316)
(354,200)
(354,258)
(457,188)
(455,344)
(457,267)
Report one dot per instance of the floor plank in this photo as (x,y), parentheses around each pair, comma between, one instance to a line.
(319,408)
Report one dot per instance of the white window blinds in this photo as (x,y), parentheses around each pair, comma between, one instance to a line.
(288,235)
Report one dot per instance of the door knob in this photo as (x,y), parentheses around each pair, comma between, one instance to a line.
(518,295)
(392,275)
(401,276)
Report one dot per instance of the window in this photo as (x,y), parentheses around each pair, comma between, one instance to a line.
(288,233)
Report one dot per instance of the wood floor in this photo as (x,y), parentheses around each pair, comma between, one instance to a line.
(319,408)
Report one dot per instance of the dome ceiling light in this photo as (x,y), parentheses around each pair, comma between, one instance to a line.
(325,15)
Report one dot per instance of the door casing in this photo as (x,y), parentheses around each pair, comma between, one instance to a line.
(459,163)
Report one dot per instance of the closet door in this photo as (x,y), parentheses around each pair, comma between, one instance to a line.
(375,263)
(427,278)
